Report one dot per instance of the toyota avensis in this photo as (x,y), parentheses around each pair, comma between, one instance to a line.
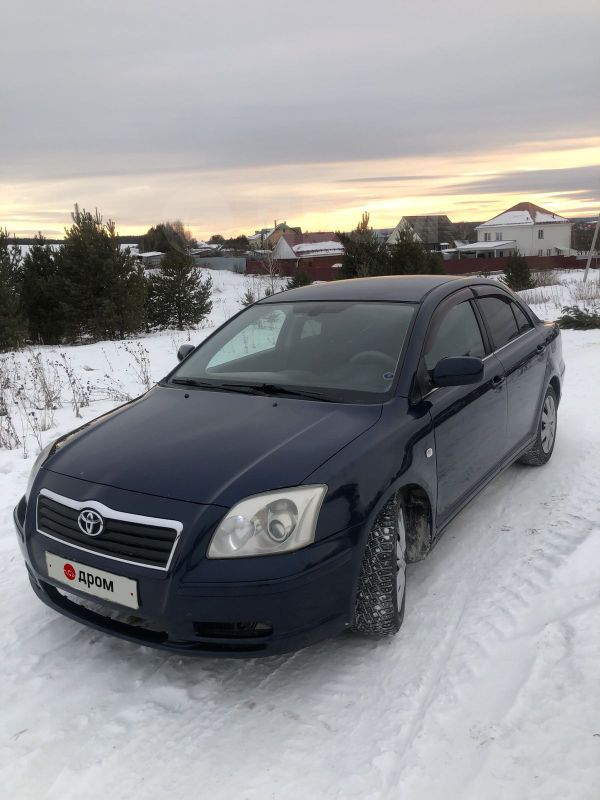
(270,490)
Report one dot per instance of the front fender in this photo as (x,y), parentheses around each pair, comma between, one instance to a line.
(363,475)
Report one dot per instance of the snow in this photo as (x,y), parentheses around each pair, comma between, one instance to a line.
(523,217)
(311,248)
(483,246)
(490,690)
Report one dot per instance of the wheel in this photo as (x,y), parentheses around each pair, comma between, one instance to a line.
(546,436)
(379,608)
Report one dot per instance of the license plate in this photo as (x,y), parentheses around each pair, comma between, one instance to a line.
(93,581)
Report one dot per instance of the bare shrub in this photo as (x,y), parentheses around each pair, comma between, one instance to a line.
(9,438)
(111,389)
(139,361)
(80,394)
(30,421)
(44,388)
(259,286)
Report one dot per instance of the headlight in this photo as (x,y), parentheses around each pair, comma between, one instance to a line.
(268,524)
(36,468)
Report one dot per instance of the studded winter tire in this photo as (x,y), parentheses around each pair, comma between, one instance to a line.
(381,591)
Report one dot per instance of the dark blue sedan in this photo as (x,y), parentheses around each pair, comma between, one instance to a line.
(271,489)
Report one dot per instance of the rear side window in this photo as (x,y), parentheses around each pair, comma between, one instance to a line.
(500,319)
(523,322)
(457,335)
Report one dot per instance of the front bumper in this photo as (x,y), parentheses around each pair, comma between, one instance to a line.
(266,605)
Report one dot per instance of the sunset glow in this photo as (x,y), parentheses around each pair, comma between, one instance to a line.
(317,196)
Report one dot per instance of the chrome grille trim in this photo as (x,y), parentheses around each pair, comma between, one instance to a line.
(111,514)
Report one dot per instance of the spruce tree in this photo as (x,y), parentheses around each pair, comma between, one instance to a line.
(516,273)
(40,293)
(365,254)
(300,278)
(102,290)
(408,256)
(178,296)
(12,324)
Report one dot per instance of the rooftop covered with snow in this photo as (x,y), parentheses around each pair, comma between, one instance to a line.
(313,248)
(524,214)
(473,246)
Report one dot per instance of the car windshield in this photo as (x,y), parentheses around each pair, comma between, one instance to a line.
(337,351)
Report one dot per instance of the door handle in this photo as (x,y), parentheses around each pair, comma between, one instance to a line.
(498,380)
(540,348)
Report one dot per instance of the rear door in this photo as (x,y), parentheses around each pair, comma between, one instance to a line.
(469,421)
(519,346)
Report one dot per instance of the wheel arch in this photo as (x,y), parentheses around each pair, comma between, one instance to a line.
(418,519)
(555,384)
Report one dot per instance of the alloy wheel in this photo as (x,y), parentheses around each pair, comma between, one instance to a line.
(548,424)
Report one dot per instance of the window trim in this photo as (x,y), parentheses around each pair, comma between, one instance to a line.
(508,299)
(419,391)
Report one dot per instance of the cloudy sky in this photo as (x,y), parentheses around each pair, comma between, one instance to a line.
(234,113)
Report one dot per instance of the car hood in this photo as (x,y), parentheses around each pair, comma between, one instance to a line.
(210,446)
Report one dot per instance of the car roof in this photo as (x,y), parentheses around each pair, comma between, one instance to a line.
(394,288)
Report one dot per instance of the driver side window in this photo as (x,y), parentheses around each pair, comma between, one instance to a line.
(457,335)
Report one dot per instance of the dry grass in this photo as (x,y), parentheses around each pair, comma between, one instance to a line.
(587,292)
(546,277)
(543,296)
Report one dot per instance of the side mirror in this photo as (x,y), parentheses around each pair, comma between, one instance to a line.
(457,371)
(184,351)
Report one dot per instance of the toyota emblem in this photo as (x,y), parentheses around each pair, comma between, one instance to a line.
(90,522)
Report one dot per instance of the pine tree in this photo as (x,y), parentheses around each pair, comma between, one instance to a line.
(40,293)
(516,273)
(178,297)
(300,278)
(434,264)
(12,324)
(408,256)
(365,254)
(102,290)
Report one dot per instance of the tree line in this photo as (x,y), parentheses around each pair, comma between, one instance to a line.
(368,255)
(89,288)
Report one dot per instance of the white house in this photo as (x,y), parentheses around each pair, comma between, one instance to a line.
(531,230)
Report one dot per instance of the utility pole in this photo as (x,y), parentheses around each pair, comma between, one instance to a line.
(592,247)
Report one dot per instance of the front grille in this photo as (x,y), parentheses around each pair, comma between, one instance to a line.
(148,543)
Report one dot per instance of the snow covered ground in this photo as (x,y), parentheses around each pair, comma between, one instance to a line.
(489,692)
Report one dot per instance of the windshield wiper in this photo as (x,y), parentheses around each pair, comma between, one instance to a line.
(223,387)
(252,388)
(276,389)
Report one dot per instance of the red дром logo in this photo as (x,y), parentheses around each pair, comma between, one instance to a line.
(69,572)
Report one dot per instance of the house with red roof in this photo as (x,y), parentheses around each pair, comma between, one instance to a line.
(525,228)
(318,255)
